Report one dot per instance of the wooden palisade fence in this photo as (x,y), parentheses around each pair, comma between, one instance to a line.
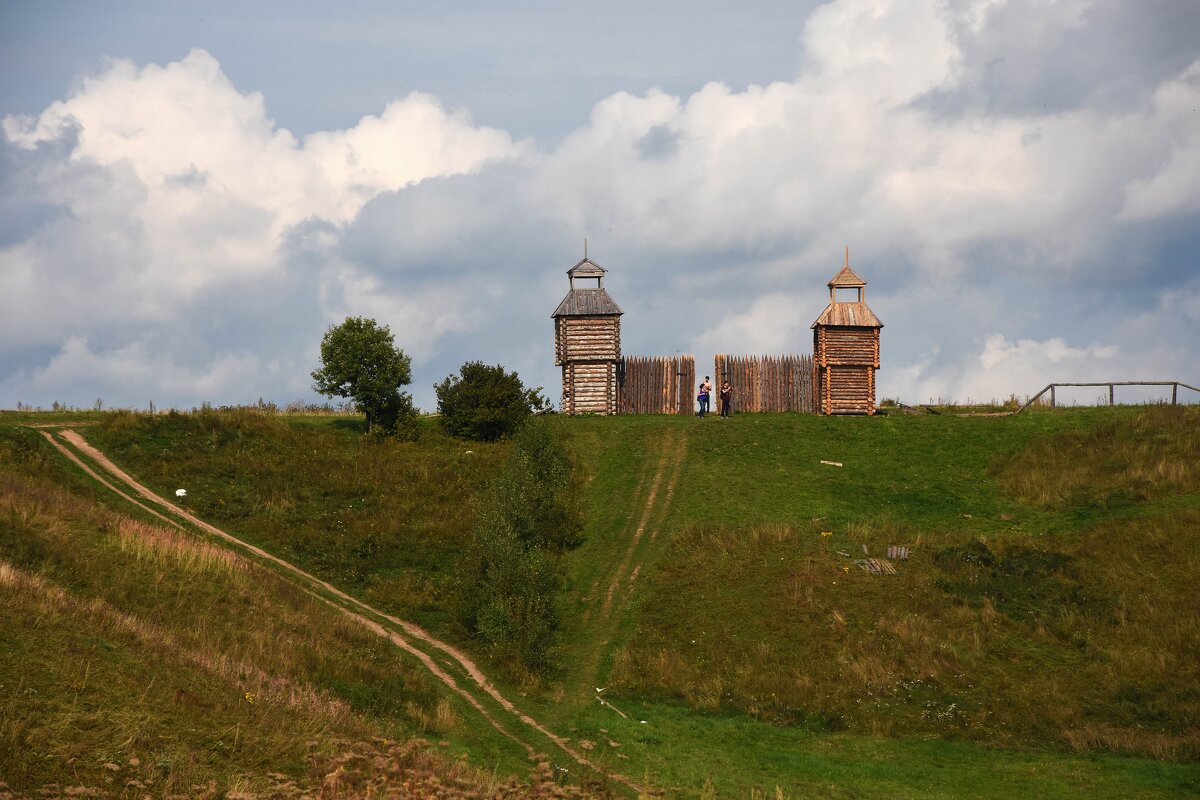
(766,383)
(656,385)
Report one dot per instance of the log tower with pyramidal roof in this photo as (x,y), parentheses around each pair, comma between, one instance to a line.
(846,348)
(587,342)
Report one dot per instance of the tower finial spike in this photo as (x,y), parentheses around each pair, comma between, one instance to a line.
(585,249)
(847,256)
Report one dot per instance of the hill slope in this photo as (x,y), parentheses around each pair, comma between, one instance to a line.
(706,601)
(134,651)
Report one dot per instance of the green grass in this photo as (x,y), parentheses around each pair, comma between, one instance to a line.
(739,755)
(1044,624)
(1081,637)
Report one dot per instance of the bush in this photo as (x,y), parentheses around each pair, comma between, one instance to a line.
(536,485)
(485,403)
(526,517)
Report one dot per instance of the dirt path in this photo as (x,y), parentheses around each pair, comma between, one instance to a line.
(651,511)
(647,477)
(412,630)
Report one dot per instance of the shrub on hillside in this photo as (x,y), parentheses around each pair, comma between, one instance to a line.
(484,402)
(526,517)
(535,490)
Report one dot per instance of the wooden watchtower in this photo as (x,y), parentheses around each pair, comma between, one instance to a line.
(587,342)
(846,348)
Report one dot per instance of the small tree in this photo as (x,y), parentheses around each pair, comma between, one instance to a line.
(359,360)
(509,574)
(483,402)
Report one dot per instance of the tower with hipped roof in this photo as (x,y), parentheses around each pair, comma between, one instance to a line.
(587,342)
(846,348)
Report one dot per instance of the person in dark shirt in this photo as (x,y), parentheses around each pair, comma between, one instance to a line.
(726,398)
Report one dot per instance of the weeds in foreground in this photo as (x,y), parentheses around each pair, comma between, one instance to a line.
(377,768)
(122,640)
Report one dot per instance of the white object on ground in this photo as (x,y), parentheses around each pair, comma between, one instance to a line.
(181,492)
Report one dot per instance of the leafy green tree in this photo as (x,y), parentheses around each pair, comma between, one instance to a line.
(359,360)
(485,403)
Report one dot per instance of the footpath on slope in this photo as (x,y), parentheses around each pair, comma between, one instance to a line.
(76,440)
(649,513)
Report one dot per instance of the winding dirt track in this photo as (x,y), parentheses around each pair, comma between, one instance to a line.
(410,629)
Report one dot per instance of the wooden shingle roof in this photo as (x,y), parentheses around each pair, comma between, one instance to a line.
(847,315)
(852,315)
(587,303)
(847,277)
(586,269)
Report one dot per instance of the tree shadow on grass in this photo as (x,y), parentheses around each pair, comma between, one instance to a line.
(355,424)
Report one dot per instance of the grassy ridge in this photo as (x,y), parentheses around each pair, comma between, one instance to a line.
(786,635)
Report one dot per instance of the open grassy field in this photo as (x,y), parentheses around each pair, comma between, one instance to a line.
(1040,640)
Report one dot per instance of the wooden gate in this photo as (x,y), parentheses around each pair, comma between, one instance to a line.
(656,385)
(766,383)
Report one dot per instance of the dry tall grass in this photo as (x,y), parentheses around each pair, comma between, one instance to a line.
(157,544)
(1126,460)
(374,769)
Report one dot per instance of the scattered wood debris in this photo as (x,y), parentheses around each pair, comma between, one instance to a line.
(875,567)
(832,463)
(896,553)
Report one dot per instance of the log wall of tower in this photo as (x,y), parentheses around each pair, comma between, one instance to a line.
(845,360)
(587,349)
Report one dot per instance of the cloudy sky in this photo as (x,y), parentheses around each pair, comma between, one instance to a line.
(190,194)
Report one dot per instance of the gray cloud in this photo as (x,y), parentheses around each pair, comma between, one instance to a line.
(1028,58)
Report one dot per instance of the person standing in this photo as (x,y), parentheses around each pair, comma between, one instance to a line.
(702,399)
(706,391)
(726,399)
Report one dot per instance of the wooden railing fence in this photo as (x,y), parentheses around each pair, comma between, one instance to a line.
(1050,387)
(766,383)
(656,385)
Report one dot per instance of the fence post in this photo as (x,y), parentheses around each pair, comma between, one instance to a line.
(1110,394)
(1052,395)
(1174,393)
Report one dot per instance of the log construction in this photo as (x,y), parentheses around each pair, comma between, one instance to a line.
(657,384)
(845,348)
(766,383)
(587,342)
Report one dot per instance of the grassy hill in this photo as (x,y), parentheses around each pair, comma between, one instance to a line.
(1041,639)
(138,658)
